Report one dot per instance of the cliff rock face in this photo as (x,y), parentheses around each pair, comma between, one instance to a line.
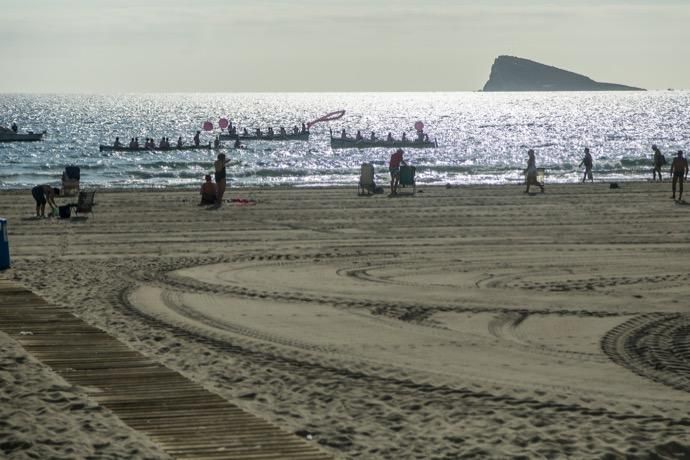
(511,73)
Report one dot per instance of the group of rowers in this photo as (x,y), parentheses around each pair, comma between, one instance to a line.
(232,131)
(150,143)
(421,136)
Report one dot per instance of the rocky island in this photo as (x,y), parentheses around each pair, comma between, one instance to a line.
(509,73)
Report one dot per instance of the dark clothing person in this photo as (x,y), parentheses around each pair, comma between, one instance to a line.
(208,192)
(15,128)
(587,162)
(394,168)
(658,161)
(196,138)
(532,172)
(679,173)
(44,194)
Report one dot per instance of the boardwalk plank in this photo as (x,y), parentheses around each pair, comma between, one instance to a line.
(186,420)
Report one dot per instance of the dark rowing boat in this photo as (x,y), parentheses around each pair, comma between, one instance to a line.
(349,143)
(301,136)
(126,148)
(7,135)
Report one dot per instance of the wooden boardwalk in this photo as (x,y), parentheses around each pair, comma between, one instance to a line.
(186,420)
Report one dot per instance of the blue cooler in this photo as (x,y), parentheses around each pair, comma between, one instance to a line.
(4,245)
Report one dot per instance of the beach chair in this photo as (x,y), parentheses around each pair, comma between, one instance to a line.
(407,177)
(85,203)
(366,180)
(70,181)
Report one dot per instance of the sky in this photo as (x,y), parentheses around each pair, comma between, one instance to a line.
(96,46)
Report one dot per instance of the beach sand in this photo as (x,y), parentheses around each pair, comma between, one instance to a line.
(464,322)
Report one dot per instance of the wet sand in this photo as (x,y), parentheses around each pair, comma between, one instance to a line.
(460,322)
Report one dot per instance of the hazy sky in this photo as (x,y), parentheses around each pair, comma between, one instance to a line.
(332,45)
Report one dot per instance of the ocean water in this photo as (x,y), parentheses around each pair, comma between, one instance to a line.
(483,137)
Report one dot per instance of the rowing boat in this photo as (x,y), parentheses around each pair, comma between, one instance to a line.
(126,148)
(11,136)
(349,143)
(301,136)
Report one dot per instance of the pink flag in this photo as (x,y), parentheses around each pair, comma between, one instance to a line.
(208,126)
(419,126)
(328,117)
(223,123)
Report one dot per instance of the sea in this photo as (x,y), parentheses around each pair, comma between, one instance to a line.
(482,138)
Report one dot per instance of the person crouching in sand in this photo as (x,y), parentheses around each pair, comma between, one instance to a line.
(209,192)
(44,194)
(679,173)
(532,172)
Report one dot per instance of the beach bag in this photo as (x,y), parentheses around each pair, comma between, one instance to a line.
(64,212)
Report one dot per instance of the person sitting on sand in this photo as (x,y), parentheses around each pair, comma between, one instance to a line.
(44,194)
(658,162)
(587,161)
(532,172)
(209,191)
(394,168)
(679,173)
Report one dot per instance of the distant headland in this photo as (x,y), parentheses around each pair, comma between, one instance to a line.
(509,73)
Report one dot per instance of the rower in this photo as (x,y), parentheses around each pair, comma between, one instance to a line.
(373,136)
(282,131)
(343,134)
(216,142)
(136,142)
(404,137)
(14,127)
(270,131)
(304,128)
(179,142)
(295,130)
(258,132)
(237,145)
(359,135)
(117,142)
(131,143)
(161,144)
(390,137)
(196,138)
(426,138)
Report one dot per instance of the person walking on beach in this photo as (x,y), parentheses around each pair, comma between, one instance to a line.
(679,173)
(394,168)
(44,194)
(532,171)
(659,161)
(587,162)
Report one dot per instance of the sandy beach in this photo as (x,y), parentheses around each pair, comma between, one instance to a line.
(462,322)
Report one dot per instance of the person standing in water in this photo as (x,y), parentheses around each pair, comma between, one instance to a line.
(587,162)
(679,173)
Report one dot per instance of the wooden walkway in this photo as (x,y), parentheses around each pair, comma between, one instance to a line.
(186,420)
